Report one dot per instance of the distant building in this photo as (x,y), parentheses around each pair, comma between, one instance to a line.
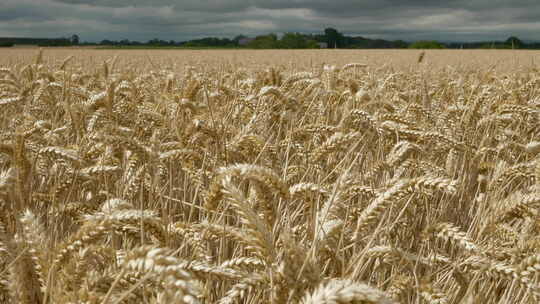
(322,45)
(245,41)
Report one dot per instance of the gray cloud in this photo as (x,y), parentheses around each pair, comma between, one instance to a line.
(95,20)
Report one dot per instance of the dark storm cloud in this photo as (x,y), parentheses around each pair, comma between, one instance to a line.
(187,19)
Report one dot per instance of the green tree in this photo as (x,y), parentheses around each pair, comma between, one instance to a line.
(312,44)
(297,41)
(154,41)
(293,41)
(75,39)
(426,44)
(269,41)
(334,38)
(514,42)
(237,39)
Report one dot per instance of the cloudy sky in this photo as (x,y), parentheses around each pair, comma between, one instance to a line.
(94,20)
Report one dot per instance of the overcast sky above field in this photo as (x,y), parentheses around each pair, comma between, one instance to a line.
(94,20)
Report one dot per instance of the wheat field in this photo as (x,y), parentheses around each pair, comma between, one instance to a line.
(269,176)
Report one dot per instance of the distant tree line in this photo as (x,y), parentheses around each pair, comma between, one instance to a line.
(290,40)
(7,42)
(333,39)
(426,44)
(330,38)
(11,41)
(287,41)
(270,41)
(510,43)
